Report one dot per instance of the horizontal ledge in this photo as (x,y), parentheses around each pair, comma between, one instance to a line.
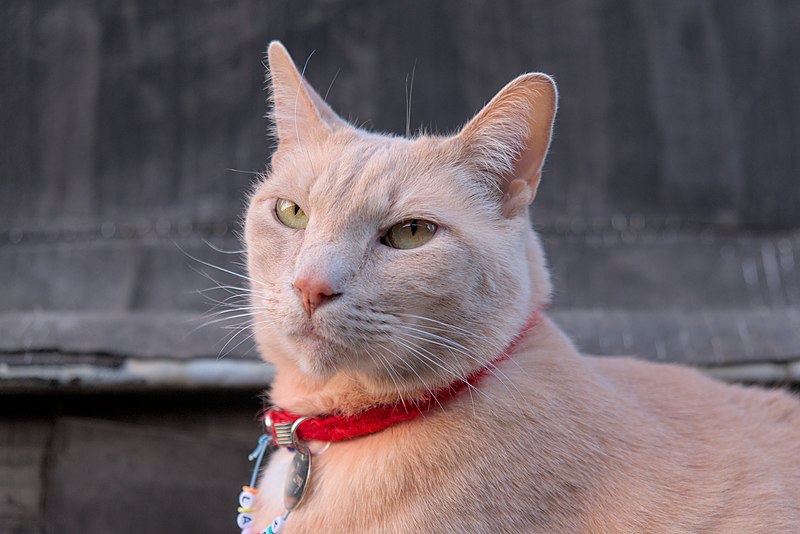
(696,336)
(759,373)
(221,375)
(137,375)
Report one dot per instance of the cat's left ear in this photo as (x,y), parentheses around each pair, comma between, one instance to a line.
(299,113)
(509,138)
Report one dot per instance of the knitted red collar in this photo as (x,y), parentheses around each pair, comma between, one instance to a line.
(287,427)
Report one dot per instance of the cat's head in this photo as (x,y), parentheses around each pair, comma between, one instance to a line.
(403,262)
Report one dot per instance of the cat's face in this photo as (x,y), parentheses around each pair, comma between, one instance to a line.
(405,262)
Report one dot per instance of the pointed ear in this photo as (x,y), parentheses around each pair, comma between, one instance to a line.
(299,114)
(508,139)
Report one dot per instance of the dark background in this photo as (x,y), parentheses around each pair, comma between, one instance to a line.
(129,132)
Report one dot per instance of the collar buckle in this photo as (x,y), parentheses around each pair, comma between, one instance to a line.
(285,433)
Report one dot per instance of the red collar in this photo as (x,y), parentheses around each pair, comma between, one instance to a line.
(280,422)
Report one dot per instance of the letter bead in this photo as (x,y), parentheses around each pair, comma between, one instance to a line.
(276,527)
(243,520)
(246,499)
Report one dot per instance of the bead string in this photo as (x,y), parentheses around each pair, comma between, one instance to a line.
(247,498)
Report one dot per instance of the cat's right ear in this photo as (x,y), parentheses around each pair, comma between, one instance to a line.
(299,114)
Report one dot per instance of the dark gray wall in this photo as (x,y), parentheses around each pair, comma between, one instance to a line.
(129,126)
(131,112)
(670,204)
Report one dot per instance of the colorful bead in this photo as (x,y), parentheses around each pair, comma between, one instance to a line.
(243,520)
(246,499)
(276,527)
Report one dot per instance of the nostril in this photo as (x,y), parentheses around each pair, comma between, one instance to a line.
(332,296)
(314,292)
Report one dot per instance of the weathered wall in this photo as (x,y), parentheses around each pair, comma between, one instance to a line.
(122,122)
(131,111)
(126,464)
(670,203)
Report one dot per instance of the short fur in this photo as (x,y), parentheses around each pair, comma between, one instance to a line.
(553,441)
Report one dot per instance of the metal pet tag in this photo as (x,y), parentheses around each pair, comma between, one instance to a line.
(297,480)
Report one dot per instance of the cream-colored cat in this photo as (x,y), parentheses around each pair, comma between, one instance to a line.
(387,268)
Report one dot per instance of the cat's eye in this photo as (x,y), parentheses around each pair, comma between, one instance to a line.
(409,234)
(290,214)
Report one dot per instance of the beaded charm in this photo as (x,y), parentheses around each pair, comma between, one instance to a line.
(247,498)
(277,526)
(244,518)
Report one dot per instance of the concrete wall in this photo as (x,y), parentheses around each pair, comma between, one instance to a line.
(130,111)
(670,203)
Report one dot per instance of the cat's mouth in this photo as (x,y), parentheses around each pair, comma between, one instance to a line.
(313,337)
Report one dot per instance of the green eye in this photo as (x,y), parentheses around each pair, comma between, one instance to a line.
(291,214)
(409,234)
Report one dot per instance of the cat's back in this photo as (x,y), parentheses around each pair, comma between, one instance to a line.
(684,398)
(736,446)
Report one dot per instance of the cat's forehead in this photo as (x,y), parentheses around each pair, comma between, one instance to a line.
(371,177)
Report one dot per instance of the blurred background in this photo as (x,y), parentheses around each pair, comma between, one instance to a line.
(130,133)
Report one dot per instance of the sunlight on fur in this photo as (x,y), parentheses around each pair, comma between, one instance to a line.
(552,441)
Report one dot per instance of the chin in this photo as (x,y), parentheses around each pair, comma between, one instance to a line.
(316,357)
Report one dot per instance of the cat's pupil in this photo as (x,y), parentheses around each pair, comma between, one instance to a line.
(296,209)
(414,227)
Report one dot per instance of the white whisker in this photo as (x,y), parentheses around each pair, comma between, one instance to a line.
(222,269)
(456,347)
(215,248)
(434,359)
(296,100)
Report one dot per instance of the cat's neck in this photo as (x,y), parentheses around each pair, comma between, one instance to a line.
(295,391)
(344,393)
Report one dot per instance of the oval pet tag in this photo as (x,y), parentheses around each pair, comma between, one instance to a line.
(297,479)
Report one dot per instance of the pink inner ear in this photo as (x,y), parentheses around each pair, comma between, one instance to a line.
(518,196)
(299,113)
(296,119)
(510,137)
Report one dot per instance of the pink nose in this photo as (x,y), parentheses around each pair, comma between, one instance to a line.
(315,292)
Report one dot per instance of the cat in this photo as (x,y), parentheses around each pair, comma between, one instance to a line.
(385,269)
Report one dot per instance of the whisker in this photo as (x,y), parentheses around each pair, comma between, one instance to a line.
(448,344)
(458,330)
(233,348)
(234,290)
(409,94)
(220,284)
(230,301)
(296,100)
(330,86)
(228,271)
(213,247)
(256,173)
(454,329)
(244,311)
(391,376)
(221,320)
(425,361)
(411,368)
(433,358)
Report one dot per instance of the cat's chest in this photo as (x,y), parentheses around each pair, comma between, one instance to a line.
(361,484)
